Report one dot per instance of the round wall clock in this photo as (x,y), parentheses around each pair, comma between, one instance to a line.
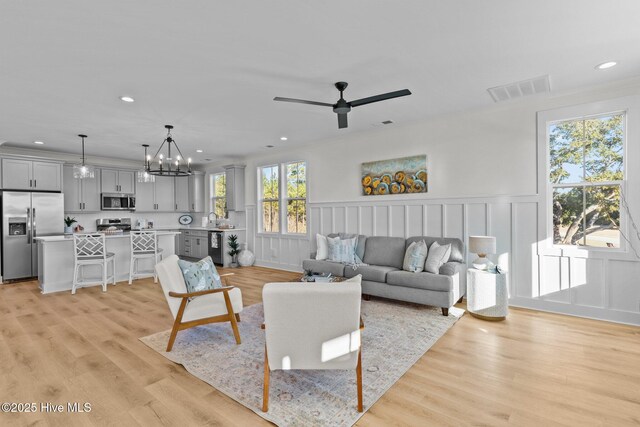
(185,219)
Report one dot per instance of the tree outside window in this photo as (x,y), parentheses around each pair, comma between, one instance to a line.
(296,200)
(586,158)
(270,199)
(219,194)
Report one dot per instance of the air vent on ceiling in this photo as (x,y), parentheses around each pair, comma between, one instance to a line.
(519,89)
(387,122)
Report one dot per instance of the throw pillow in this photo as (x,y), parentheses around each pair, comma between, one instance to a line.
(201,275)
(415,256)
(437,256)
(322,248)
(342,250)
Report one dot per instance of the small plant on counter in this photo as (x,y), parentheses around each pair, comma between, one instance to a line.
(68,225)
(234,249)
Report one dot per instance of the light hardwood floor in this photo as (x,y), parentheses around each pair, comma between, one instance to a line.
(532,369)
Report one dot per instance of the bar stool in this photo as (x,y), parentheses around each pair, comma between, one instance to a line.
(144,244)
(90,249)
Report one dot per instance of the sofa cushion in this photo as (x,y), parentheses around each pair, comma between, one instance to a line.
(428,281)
(457,247)
(318,266)
(388,251)
(373,273)
(342,250)
(361,241)
(437,257)
(415,256)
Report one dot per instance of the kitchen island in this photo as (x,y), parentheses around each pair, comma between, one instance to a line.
(56,259)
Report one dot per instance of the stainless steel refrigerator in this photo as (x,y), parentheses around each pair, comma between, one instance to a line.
(25,216)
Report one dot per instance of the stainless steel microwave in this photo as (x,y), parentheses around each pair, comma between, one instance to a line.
(118,202)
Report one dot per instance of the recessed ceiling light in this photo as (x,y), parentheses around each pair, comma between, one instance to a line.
(198,151)
(269,146)
(606,65)
(283,138)
(38,142)
(127,99)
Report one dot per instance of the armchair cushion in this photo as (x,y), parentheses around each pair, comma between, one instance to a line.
(212,305)
(201,275)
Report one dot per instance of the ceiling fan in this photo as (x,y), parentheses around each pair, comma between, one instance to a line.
(342,107)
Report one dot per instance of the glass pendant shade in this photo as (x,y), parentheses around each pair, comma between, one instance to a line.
(83,171)
(144,175)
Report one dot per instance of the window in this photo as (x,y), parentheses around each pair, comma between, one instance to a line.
(586,176)
(283,203)
(218,186)
(296,198)
(270,199)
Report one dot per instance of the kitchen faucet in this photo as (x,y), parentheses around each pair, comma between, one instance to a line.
(209,217)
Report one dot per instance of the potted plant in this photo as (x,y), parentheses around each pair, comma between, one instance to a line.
(68,225)
(234,249)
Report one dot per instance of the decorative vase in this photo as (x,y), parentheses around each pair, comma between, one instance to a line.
(246,257)
(68,229)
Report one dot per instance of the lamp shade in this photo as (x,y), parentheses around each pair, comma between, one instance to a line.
(482,244)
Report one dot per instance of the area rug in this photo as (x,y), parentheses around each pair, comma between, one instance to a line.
(396,335)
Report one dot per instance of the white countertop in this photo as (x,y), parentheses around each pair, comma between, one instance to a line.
(196,228)
(69,237)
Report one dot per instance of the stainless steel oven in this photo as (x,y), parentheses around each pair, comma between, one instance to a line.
(118,202)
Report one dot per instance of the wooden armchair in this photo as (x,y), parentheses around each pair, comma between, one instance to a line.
(312,326)
(197,308)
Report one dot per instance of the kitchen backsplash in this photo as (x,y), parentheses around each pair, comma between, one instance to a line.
(88,220)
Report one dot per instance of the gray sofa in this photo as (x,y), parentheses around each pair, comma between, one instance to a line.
(384,277)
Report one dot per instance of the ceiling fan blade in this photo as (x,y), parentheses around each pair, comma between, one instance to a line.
(383,97)
(342,121)
(302,101)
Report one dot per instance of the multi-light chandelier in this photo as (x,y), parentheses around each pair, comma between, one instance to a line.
(165,165)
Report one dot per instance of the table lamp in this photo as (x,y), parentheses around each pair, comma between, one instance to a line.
(482,245)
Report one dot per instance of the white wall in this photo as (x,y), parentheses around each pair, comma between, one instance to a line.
(482,180)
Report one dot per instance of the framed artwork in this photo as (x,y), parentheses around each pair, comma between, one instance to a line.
(396,176)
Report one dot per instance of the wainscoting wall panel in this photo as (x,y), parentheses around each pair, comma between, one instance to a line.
(604,288)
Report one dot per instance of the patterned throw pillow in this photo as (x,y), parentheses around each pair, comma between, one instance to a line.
(437,256)
(201,275)
(415,257)
(342,250)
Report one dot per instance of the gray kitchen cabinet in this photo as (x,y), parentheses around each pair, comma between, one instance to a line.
(196,192)
(80,195)
(181,185)
(165,197)
(145,197)
(156,196)
(186,243)
(199,244)
(20,174)
(235,187)
(178,243)
(118,181)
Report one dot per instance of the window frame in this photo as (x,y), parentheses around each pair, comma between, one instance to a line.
(630,107)
(285,199)
(261,199)
(282,200)
(213,197)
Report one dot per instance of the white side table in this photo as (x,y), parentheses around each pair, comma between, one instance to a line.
(487,294)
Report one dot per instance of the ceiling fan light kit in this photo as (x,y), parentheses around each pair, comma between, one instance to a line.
(343,107)
(161,165)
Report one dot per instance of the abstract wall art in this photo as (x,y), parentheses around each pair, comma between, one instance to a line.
(396,176)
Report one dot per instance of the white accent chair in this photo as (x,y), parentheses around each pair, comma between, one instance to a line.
(312,326)
(90,249)
(144,245)
(197,308)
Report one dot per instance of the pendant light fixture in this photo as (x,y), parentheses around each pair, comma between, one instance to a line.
(165,164)
(144,175)
(83,171)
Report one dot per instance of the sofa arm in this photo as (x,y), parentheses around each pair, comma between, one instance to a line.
(458,271)
(452,267)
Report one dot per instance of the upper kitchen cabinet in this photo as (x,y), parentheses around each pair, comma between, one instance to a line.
(196,192)
(19,174)
(118,181)
(157,196)
(80,195)
(182,194)
(235,187)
